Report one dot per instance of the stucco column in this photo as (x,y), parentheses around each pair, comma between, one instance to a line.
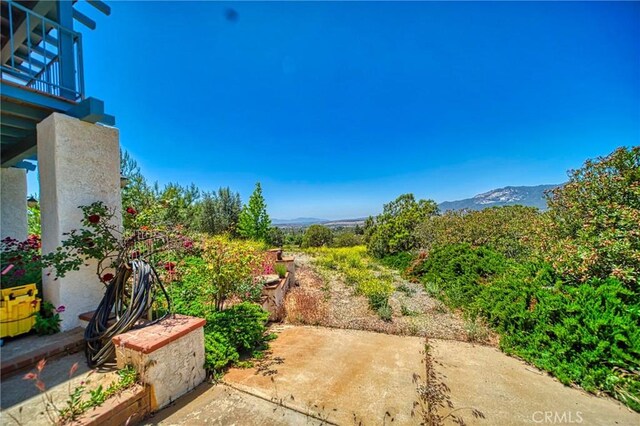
(13,203)
(79,163)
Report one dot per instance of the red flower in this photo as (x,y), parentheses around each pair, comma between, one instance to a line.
(169,266)
(135,254)
(188,244)
(107,277)
(132,211)
(30,376)
(94,218)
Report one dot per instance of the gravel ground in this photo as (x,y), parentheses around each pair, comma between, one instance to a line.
(338,306)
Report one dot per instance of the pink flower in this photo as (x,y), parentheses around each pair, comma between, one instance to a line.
(188,244)
(30,376)
(60,309)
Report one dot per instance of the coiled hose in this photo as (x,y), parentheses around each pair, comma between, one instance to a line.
(128,305)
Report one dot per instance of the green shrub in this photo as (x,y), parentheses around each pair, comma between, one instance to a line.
(187,294)
(393,231)
(457,273)
(317,236)
(509,230)
(238,330)
(586,333)
(347,239)
(592,228)
(399,261)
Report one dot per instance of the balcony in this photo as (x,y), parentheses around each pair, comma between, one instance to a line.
(40,54)
(41,72)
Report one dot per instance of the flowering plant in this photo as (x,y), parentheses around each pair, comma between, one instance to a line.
(21,261)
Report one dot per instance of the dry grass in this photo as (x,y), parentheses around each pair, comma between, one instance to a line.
(324,299)
(305,306)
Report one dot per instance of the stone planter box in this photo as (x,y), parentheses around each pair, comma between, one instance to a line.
(169,357)
(273,297)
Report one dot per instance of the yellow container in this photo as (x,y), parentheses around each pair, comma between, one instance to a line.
(18,308)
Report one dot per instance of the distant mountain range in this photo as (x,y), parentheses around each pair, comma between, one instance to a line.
(302,222)
(532,196)
(298,221)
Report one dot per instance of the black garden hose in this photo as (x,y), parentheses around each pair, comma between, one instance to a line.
(125,307)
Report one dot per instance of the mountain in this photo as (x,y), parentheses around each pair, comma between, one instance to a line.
(532,196)
(299,221)
(303,222)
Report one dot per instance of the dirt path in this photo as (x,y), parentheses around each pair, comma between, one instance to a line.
(324,299)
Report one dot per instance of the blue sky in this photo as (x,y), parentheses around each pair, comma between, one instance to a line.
(337,108)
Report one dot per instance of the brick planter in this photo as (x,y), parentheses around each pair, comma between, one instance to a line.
(169,356)
(129,407)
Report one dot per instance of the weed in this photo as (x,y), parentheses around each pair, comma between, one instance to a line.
(408,291)
(407,312)
(433,395)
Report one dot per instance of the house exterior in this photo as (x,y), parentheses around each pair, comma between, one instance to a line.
(49,124)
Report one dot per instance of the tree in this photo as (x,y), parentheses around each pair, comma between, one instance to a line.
(275,237)
(592,228)
(254,222)
(393,231)
(219,212)
(508,230)
(33,219)
(317,236)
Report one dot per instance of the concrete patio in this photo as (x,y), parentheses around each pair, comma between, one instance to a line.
(336,376)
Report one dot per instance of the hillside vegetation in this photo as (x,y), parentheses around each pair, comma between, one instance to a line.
(560,287)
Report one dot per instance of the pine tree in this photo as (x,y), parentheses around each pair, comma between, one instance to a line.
(254,221)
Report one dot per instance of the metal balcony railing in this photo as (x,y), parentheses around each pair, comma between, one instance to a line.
(41,54)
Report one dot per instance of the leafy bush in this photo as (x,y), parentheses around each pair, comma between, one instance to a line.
(586,334)
(317,236)
(508,230)
(48,319)
(593,226)
(238,330)
(347,239)
(187,293)
(399,261)
(457,273)
(228,268)
(393,231)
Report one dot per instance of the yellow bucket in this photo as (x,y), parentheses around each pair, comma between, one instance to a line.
(18,308)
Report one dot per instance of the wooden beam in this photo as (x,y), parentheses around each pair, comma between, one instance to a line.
(23,111)
(84,19)
(26,149)
(101,6)
(13,132)
(18,123)
(20,33)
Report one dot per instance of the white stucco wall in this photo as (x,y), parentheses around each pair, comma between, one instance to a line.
(78,163)
(13,203)
(171,370)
